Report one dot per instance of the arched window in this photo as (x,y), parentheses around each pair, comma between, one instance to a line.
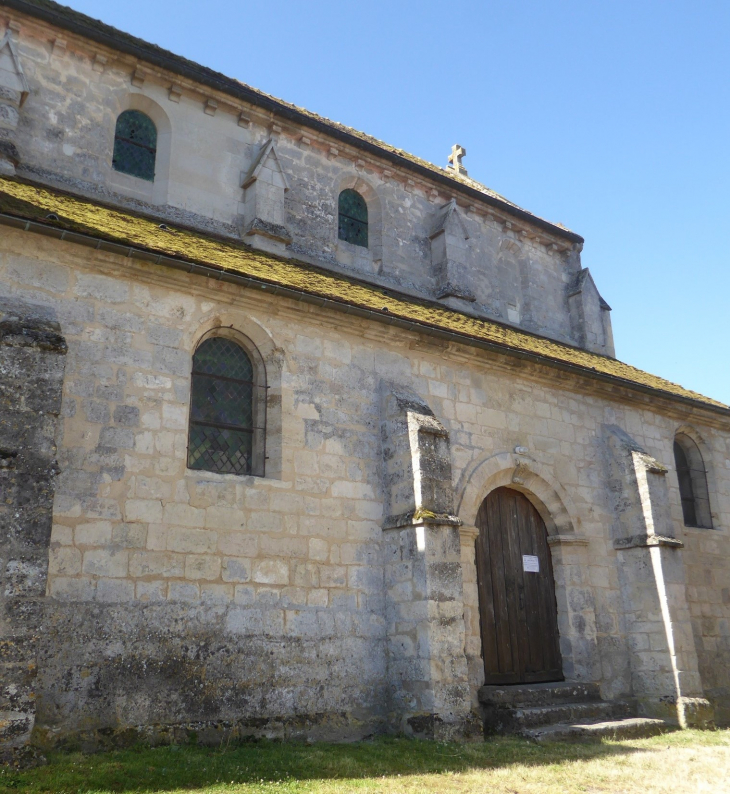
(692,482)
(353,218)
(227,410)
(135,145)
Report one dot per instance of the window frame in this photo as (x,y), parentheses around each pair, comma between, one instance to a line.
(152,149)
(358,223)
(259,405)
(692,479)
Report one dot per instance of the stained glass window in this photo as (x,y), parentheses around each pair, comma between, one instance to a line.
(222,421)
(353,218)
(135,145)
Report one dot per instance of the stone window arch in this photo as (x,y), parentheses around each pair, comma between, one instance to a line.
(227,424)
(352,218)
(692,477)
(366,258)
(135,145)
(149,190)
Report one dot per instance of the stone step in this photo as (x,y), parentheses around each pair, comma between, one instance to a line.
(516,720)
(528,695)
(632,728)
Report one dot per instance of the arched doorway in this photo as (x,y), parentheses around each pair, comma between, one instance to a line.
(517,606)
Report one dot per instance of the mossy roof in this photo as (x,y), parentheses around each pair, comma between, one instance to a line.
(74,214)
(76,22)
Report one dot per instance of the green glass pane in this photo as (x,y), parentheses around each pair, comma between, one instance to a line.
(221,401)
(353,218)
(219,356)
(220,450)
(353,205)
(353,232)
(135,145)
(221,408)
(137,127)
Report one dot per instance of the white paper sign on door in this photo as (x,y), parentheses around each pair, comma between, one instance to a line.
(530,563)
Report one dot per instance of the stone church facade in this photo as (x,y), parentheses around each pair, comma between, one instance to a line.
(267,384)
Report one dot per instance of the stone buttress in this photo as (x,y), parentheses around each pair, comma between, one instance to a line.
(32,358)
(427,668)
(664,668)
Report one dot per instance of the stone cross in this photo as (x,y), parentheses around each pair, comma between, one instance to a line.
(457,152)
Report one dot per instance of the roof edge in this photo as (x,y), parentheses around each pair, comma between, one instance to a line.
(110,37)
(135,251)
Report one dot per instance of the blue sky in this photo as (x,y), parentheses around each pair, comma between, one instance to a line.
(610,117)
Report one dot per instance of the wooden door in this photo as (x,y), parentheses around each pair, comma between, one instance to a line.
(516,592)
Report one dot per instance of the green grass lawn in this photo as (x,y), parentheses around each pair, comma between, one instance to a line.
(690,762)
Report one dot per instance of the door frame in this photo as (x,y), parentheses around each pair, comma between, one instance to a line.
(569,552)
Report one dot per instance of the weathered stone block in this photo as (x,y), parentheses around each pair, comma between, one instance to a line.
(202,566)
(106,562)
(271,571)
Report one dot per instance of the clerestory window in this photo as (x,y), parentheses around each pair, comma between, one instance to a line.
(227,410)
(135,145)
(692,483)
(353,218)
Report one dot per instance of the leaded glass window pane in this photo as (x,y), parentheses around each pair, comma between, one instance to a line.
(686,491)
(135,145)
(221,408)
(692,478)
(353,218)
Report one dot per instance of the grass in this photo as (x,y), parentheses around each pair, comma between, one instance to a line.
(685,762)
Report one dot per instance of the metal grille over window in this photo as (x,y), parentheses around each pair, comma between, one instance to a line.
(225,436)
(135,145)
(692,483)
(353,218)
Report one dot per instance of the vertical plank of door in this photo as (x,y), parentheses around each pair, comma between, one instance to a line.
(533,591)
(513,563)
(505,641)
(487,622)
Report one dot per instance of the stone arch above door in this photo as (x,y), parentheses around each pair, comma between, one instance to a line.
(523,474)
(569,551)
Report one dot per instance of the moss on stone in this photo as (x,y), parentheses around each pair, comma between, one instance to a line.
(72,213)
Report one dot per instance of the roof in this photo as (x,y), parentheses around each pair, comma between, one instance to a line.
(75,22)
(83,220)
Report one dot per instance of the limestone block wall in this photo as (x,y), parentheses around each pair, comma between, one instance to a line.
(182,598)
(708,574)
(206,146)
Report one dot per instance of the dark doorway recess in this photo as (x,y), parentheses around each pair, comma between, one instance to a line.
(519,621)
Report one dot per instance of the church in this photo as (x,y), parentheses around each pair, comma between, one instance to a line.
(302,436)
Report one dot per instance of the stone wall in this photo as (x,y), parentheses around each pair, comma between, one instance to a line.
(207,145)
(31,377)
(708,575)
(214,602)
